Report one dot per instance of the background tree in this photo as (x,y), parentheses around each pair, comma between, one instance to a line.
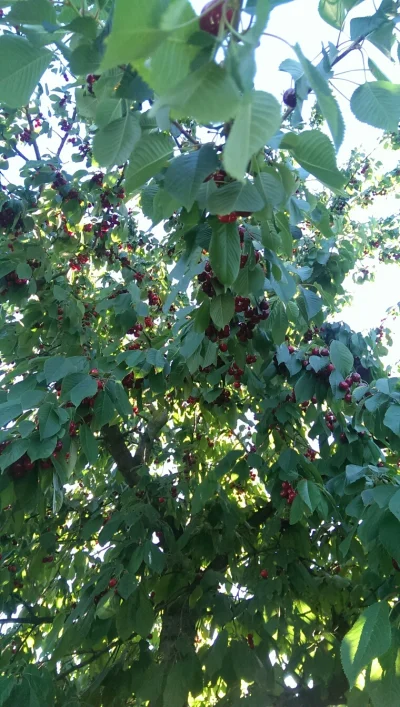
(200,492)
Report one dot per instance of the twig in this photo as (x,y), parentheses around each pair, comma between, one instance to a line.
(83,664)
(31,128)
(65,137)
(16,150)
(184,132)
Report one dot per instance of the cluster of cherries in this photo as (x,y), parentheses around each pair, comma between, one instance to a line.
(153,298)
(310,454)
(288,492)
(76,264)
(25,136)
(13,279)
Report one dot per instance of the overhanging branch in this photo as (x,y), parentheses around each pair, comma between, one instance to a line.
(127,464)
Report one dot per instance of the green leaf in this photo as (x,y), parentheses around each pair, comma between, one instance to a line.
(235,197)
(135,32)
(187,172)
(326,102)
(150,155)
(257,120)
(40,449)
(377,103)
(394,505)
(369,638)
(222,309)
(309,493)
(49,423)
(32,12)
(305,387)
(250,281)
(333,12)
(269,184)
(89,443)
(58,367)
(77,386)
(113,144)
(9,411)
(21,67)
(153,557)
(312,301)
(341,357)
(120,399)
(172,60)
(144,618)
(278,322)
(107,111)
(389,535)
(87,26)
(314,152)
(392,419)
(103,409)
(225,252)
(126,618)
(207,95)
(203,492)
(175,691)
(13,452)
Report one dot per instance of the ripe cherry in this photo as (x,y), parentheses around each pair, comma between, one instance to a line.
(223,347)
(324,352)
(212,14)
(356,378)
(330,368)
(12,568)
(228,218)
(161,499)
(289,98)
(343,385)
(264,574)
(291,349)
(348,397)
(113,583)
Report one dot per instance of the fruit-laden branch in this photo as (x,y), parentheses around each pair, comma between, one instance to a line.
(127,464)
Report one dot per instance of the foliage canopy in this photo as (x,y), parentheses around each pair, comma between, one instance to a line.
(199,469)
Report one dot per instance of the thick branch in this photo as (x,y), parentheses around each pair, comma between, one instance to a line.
(35,620)
(127,464)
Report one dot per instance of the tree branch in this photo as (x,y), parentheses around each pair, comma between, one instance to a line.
(65,137)
(127,464)
(17,152)
(184,132)
(35,620)
(31,128)
(83,664)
